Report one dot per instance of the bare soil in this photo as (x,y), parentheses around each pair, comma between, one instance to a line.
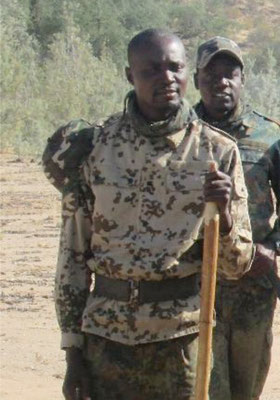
(32,365)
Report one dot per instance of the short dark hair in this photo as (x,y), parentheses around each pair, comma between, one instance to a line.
(146,37)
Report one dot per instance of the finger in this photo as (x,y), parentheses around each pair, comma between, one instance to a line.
(86,389)
(69,392)
(216,179)
(218,185)
(211,176)
(213,166)
(217,191)
(222,195)
(217,174)
(78,394)
(223,200)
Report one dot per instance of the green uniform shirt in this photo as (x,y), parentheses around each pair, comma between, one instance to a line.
(258,139)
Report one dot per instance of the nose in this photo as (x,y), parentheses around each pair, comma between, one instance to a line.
(167,76)
(221,82)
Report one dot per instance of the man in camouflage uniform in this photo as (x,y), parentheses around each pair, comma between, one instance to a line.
(242,339)
(134,188)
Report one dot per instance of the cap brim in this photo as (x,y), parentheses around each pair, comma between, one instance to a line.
(220,51)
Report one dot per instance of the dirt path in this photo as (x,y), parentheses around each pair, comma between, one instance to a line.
(32,366)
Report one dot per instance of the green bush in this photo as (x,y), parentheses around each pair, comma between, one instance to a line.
(262,87)
(62,60)
(19,82)
(78,84)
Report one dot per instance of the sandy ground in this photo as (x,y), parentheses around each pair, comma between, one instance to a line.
(32,366)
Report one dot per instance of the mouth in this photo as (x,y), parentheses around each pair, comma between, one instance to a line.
(167,93)
(221,95)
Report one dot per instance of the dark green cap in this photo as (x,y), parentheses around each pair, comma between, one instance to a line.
(214,46)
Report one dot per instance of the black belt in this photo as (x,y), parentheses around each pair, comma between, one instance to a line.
(146,291)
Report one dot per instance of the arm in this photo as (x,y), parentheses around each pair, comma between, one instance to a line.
(274,174)
(267,251)
(72,285)
(62,162)
(72,275)
(227,189)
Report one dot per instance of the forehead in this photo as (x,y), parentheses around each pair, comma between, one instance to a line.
(159,50)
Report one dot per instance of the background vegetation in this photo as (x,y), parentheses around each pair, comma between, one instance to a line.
(65,59)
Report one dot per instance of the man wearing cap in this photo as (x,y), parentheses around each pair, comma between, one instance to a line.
(243,335)
(134,188)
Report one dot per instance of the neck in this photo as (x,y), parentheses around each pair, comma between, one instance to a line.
(219,115)
(157,115)
(164,124)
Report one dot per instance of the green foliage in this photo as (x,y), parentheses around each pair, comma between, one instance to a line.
(111,24)
(62,60)
(262,87)
(37,97)
(19,81)
(79,84)
(198,20)
(45,20)
(269,39)
(201,19)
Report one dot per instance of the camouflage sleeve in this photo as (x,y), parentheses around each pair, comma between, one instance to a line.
(73,278)
(65,151)
(236,248)
(274,172)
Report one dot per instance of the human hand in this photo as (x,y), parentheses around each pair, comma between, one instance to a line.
(217,189)
(264,261)
(76,385)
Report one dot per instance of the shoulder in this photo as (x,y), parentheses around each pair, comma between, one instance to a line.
(70,146)
(66,130)
(110,121)
(216,134)
(257,121)
(79,125)
(261,129)
(82,136)
(57,151)
(273,121)
(102,123)
(106,128)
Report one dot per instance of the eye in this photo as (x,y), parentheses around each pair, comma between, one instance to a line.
(175,67)
(148,72)
(229,74)
(236,73)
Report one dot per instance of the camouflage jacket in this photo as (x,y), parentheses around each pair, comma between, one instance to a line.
(258,140)
(132,208)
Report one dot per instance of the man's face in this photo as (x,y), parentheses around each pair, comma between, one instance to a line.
(220,84)
(158,73)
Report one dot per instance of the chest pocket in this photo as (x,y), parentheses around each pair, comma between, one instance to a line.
(116,192)
(256,172)
(187,177)
(112,175)
(252,152)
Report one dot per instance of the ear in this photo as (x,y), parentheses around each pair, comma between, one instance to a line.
(195,79)
(129,76)
(242,78)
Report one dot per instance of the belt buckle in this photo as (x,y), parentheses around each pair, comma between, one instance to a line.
(134,291)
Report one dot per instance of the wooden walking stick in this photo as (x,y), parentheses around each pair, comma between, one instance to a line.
(208,288)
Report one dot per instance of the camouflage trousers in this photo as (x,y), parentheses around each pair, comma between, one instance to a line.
(155,371)
(242,340)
